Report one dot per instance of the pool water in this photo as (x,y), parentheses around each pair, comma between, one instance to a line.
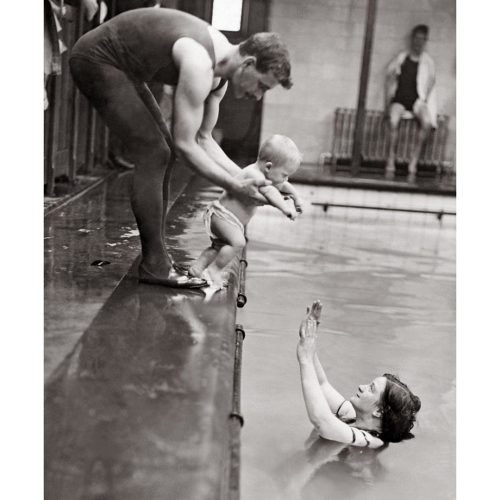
(387,283)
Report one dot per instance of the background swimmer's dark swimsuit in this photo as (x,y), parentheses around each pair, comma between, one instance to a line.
(406,93)
(139,42)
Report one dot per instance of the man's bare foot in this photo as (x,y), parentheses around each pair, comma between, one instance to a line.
(170,278)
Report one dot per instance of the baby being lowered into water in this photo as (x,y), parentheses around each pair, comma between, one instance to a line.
(227,217)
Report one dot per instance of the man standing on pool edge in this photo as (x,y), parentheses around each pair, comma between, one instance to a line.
(111,64)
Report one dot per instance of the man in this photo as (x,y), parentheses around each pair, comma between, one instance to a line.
(111,64)
(116,150)
(410,91)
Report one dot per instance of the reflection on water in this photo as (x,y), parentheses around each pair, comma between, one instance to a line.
(128,409)
(387,281)
(352,470)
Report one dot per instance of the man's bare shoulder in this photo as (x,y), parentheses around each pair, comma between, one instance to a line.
(190,54)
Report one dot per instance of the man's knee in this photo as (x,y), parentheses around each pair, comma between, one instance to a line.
(151,150)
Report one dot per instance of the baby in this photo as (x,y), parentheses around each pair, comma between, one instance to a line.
(227,217)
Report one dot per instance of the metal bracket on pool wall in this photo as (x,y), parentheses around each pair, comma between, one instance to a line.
(241,300)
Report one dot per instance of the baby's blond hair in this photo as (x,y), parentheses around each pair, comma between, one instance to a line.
(279,149)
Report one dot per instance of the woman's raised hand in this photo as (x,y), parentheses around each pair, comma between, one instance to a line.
(314,312)
(308,332)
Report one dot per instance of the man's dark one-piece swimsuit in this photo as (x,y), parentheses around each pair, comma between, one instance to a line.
(139,42)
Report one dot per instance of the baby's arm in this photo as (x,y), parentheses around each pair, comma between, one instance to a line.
(287,189)
(275,199)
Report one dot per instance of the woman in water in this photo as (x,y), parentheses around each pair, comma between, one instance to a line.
(379,413)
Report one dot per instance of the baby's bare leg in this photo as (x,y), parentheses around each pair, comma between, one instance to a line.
(224,257)
(235,241)
(204,260)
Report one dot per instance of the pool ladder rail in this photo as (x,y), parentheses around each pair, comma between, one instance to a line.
(236,420)
(241,300)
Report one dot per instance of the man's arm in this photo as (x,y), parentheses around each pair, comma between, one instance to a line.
(207,142)
(205,138)
(193,87)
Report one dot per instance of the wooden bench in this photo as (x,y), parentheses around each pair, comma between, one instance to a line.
(375,147)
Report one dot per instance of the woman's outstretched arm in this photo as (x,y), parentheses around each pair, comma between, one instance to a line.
(318,409)
(337,403)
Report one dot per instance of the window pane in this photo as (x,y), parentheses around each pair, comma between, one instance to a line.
(226,15)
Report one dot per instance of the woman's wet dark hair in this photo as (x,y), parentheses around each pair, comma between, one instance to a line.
(399,407)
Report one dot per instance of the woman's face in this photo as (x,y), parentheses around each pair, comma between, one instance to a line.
(367,398)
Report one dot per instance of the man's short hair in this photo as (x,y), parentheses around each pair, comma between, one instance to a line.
(271,55)
(420,28)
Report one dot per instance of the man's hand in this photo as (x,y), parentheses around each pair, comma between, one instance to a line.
(249,188)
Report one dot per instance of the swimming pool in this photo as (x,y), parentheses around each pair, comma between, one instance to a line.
(387,282)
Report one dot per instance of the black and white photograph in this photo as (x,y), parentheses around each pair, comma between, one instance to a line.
(249,246)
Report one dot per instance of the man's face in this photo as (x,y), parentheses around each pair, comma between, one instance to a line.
(248,83)
(418,42)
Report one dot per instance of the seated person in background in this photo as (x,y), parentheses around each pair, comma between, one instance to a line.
(410,89)
(227,217)
(379,413)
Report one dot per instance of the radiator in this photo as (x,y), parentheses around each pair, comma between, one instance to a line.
(375,146)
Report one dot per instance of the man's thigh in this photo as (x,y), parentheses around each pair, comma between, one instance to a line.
(115,98)
(396,111)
